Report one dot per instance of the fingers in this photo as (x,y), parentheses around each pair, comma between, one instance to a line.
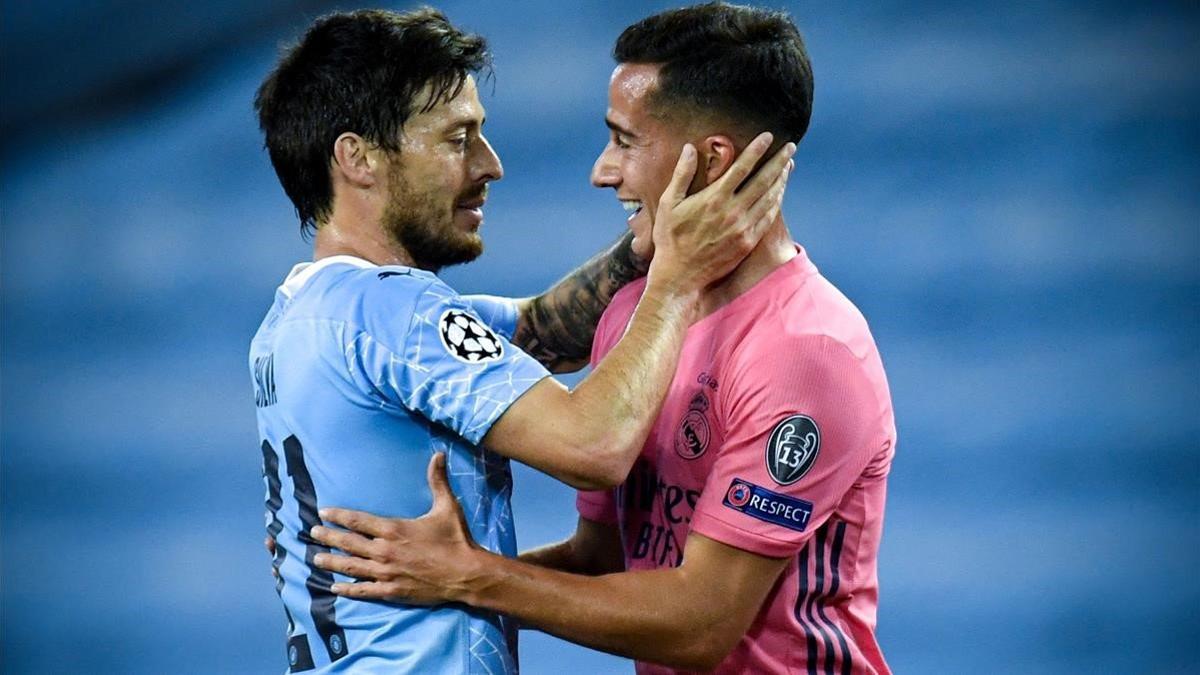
(439,486)
(745,162)
(765,178)
(367,590)
(763,211)
(359,568)
(350,542)
(359,521)
(685,171)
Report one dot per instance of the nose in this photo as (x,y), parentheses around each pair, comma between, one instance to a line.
(605,172)
(487,164)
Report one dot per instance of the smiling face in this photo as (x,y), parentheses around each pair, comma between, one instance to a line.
(437,183)
(642,149)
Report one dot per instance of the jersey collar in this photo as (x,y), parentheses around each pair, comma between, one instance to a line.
(304,271)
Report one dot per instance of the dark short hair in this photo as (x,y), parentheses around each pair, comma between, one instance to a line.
(357,72)
(745,64)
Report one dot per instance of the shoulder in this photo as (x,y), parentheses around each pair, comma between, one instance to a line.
(344,291)
(830,313)
(811,319)
(386,285)
(787,358)
(812,338)
(383,302)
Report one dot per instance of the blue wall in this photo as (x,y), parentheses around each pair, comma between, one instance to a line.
(1010,195)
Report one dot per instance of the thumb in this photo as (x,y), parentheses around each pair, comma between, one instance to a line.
(439,486)
(685,170)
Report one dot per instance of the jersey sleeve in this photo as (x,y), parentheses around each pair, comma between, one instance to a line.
(801,421)
(444,362)
(500,314)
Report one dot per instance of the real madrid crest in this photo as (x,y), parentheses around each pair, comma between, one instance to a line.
(693,435)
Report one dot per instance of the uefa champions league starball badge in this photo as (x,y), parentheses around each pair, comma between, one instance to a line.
(468,339)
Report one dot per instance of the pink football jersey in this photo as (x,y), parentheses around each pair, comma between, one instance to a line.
(776,438)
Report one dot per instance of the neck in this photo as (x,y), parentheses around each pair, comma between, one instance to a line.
(360,237)
(775,249)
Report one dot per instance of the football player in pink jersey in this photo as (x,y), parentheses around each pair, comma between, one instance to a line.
(745,537)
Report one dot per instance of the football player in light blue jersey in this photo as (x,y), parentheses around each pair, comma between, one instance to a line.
(367,364)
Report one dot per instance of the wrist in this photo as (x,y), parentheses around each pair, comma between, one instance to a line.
(481,574)
(671,285)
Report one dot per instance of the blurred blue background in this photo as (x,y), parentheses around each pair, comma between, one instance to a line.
(1009,192)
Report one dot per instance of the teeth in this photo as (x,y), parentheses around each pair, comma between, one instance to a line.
(630,205)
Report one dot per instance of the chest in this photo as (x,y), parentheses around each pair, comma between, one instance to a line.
(669,475)
(690,428)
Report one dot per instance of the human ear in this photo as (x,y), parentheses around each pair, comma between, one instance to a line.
(354,159)
(717,155)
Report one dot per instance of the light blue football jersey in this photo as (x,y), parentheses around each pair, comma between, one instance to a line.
(361,373)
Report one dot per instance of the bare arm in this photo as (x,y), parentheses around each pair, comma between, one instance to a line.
(557,327)
(688,617)
(590,436)
(595,548)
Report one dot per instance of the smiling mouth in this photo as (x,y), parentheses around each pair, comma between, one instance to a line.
(632,207)
(474,200)
(471,210)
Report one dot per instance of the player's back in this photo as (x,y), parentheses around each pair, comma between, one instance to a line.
(333,370)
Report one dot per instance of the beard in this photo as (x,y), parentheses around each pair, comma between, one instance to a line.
(424,225)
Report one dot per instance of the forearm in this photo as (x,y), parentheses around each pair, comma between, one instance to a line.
(648,615)
(570,556)
(558,556)
(589,437)
(615,406)
(557,327)
(594,548)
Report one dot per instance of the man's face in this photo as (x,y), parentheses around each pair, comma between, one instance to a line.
(642,149)
(437,184)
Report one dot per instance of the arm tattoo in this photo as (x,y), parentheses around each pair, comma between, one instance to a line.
(557,326)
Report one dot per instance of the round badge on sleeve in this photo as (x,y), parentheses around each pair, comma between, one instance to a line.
(738,495)
(468,339)
(792,449)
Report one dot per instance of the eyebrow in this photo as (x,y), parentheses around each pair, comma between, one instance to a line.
(618,128)
(466,122)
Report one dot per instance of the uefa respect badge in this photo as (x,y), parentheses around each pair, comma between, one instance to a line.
(758,502)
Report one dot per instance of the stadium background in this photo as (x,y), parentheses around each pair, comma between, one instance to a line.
(1009,194)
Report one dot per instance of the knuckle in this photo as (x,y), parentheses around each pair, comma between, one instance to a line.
(386,554)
